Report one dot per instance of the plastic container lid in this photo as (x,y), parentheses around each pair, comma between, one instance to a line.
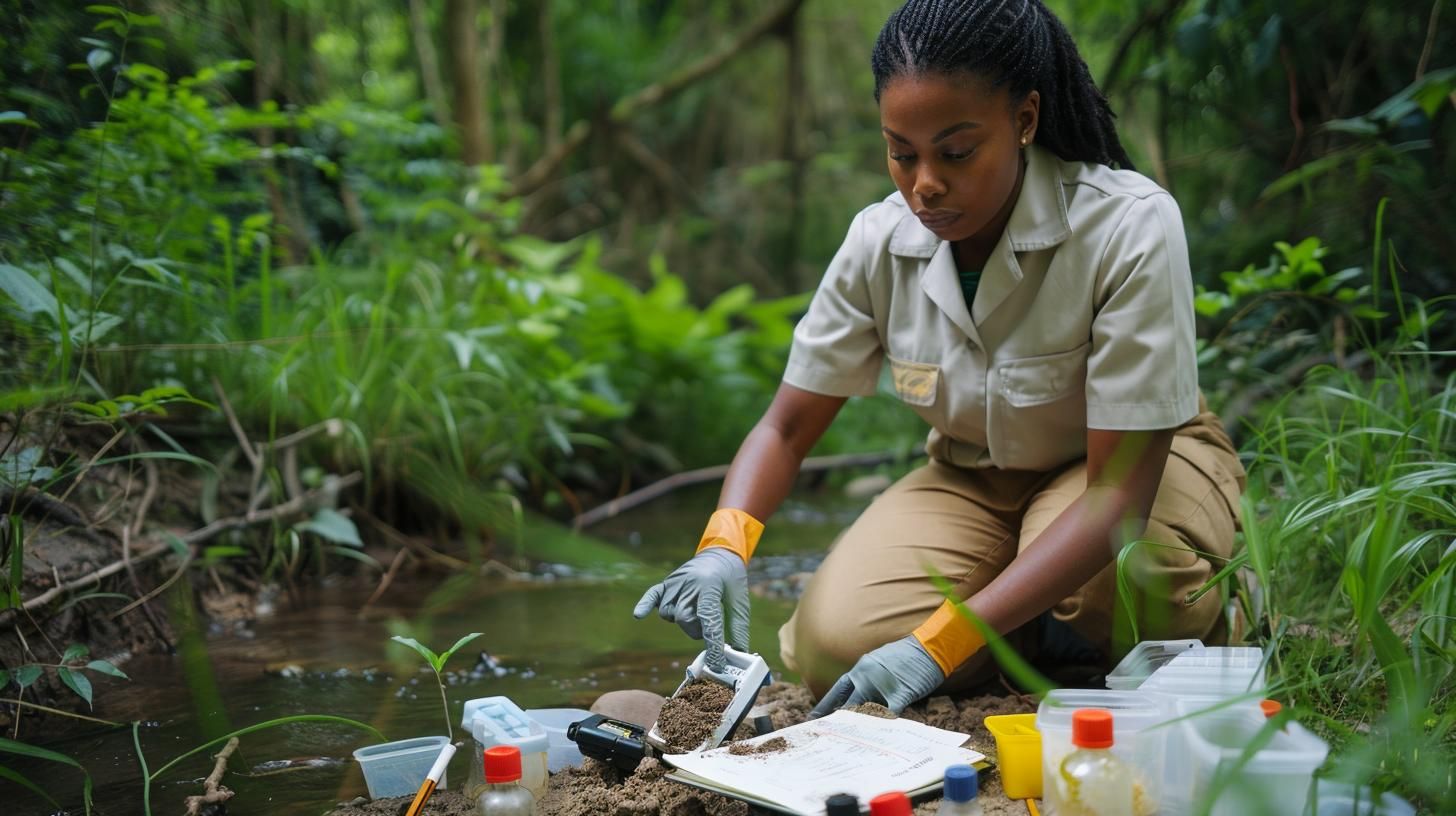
(890,804)
(961,783)
(1135,710)
(841,804)
(1092,728)
(1146,658)
(502,763)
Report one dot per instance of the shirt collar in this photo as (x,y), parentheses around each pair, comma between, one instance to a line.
(1039,220)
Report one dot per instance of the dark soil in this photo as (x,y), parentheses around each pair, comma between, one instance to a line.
(597,788)
(693,713)
(777,745)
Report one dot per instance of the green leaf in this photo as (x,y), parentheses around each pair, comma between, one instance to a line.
(75,651)
(461,642)
(332,525)
(106,668)
(26,291)
(11,746)
(76,682)
(423,650)
(14,117)
(26,675)
(4,678)
(6,773)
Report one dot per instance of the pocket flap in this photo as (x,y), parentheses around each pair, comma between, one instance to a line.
(1034,380)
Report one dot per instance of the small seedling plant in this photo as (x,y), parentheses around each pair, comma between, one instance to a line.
(437,665)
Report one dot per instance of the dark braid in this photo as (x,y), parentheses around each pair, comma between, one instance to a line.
(1017,43)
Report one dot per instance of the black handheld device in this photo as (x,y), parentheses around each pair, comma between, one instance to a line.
(614,742)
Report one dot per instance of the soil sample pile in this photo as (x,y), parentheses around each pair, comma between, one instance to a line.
(693,714)
(777,745)
(596,789)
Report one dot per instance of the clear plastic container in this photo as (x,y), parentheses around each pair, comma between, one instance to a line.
(1138,741)
(398,768)
(561,753)
(1146,658)
(1333,798)
(1272,781)
(1211,673)
(498,721)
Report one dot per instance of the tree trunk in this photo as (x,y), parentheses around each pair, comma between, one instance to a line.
(550,77)
(793,104)
(465,78)
(267,35)
(429,63)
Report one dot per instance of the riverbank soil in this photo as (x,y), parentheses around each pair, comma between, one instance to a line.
(596,788)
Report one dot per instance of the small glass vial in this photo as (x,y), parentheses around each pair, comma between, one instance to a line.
(1091,781)
(503,794)
(961,787)
(841,804)
(890,804)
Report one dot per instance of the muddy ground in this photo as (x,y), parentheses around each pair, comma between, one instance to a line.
(599,790)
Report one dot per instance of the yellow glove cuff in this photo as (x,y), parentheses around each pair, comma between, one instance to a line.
(949,638)
(732,530)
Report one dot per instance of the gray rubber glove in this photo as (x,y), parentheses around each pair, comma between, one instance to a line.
(896,675)
(693,597)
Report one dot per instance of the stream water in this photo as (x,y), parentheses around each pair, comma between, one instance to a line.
(560,639)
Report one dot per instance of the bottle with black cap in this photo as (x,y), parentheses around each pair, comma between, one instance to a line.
(961,787)
(841,804)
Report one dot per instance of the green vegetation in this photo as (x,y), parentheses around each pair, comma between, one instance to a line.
(436,662)
(278,245)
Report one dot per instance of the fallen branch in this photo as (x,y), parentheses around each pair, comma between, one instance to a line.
(708,474)
(73,715)
(198,536)
(212,789)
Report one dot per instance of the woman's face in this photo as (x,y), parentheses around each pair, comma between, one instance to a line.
(954,151)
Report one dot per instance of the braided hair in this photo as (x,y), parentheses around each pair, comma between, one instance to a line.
(1017,43)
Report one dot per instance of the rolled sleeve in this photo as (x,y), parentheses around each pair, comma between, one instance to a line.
(837,349)
(1142,371)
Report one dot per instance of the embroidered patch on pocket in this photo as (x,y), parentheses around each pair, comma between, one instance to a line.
(915,383)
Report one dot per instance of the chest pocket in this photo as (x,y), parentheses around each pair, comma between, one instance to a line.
(1039,415)
(915,383)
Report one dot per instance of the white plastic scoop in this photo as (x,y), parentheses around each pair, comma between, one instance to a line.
(744,672)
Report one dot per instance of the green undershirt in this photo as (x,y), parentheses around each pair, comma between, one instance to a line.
(970,279)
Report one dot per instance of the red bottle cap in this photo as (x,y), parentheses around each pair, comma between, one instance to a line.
(1271,707)
(890,804)
(502,763)
(1092,728)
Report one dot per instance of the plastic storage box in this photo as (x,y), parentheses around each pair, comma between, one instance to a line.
(561,753)
(498,721)
(1138,741)
(1018,754)
(398,768)
(1211,674)
(1274,780)
(1333,798)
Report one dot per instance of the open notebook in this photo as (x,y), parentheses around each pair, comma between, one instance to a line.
(845,752)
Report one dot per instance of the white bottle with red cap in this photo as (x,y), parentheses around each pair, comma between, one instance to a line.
(1091,781)
(503,794)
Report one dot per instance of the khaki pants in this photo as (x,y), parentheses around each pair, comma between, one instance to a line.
(967,525)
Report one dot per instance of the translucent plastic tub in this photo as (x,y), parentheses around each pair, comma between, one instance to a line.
(1146,658)
(498,721)
(1138,741)
(1274,780)
(561,753)
(1210,674)
(397,768)
(1343,799)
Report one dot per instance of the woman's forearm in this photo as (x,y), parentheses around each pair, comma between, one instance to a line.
(764,469)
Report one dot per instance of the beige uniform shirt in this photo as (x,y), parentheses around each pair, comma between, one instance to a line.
(1083,318)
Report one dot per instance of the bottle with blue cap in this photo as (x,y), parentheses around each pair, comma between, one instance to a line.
(961,787)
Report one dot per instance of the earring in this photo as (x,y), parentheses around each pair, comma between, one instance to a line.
(1023,141)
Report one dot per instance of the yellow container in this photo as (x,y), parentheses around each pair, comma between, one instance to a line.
(1018,753)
